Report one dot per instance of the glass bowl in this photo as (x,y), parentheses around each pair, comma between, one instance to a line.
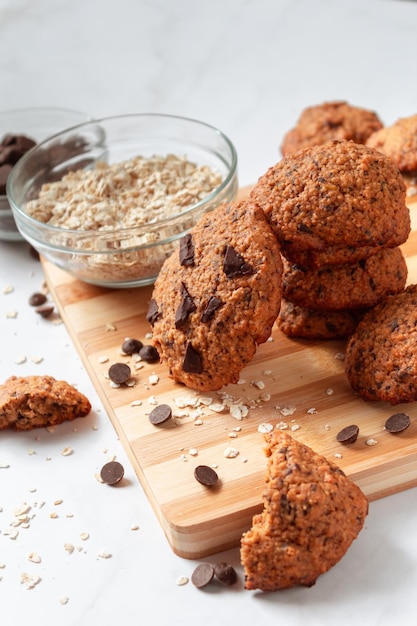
(37,124)
(100,252)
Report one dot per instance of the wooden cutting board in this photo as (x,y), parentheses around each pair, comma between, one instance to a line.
(297,384)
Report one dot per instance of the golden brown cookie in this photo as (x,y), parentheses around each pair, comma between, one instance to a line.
(399,143)
(312,514)
(217,298)
(35,401)
(347,286)
(304,323)
(331,120)
(381,355)
(331,198)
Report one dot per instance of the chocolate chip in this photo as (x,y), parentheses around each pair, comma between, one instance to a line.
(206,475)
(160,414)
(213,304)
(45,310)
(193,363)
(119,373)
(349,434)
(202,575)
(186,307)
(234,264)
(4,175)
(112,473)
(37,298)
(225,573)
(397,423)
(153,312)
(131,346)
(187,251)
(149,354)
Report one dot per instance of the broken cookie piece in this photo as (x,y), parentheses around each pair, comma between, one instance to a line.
(36,401)
(312,513)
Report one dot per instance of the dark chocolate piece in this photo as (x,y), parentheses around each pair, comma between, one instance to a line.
(213,304)
(202,575)
(192,363)
(112,473)
(131,346)
(349,434)
(153,312)
(187,251)
(160,414)
(234,264)
(225,573)
(397,422)
(119,373)
(149,354)
(186,307)
(206,475)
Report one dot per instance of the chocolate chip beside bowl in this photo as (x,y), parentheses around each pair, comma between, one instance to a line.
(397,422)
(160,414)
(45,310)
(202,575)
(349,434)
(37,299)
(119,373)
(206,475)
(112,472)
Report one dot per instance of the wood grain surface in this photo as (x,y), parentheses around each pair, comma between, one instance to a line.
(299,384)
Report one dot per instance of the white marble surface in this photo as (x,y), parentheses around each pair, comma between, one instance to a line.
(248,67)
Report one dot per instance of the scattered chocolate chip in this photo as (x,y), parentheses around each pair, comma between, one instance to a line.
(192,363)
(186,307)
(349,434)
(206,475)
(225,573)
(131,346)
(112,472)
(234,264)
(119,373)
(45,310)
(202,575)
(37,298)
(153,312)
(149,354)
(160,414)
(397,423)
(213,304)
(187,251)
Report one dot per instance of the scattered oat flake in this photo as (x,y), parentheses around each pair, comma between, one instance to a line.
(20,360)
(11,315)
(134,527)
(152,400)
(153,379)
(217,407)
(8,289)
(232,435)
(4,465)
(67,451)
(329,391)
(287,410)
(64,600)
(265,428)
(59,501)
(312,411)
(29,580)
(193,451)
(53,515)
(68,547)
(282,426)
(295,427)
(339,356)
(84,536)
(371,442)
(11,532)
(230,453)
(136,403)
(104,555)
(22,509)
(182,580)
(259,384)
(338,455)
(35,358)
(265,397)
(103,359)
(34,557)
(110,326)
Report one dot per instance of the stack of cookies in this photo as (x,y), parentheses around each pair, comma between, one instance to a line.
(338,210)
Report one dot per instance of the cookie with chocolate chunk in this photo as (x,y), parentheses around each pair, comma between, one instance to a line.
(331,120)
(337,202)
(305,323)
(312,513)
(216,298)
(346,286)
(381,355)
(34,401)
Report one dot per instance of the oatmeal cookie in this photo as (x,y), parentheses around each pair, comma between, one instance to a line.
(217,297)
(304,323)
(381,355)
(399,142)
(346,286)
(35,401)
(331,120)
(312,514)
(331,198)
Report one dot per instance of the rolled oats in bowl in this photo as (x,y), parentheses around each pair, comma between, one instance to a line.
(109,200)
